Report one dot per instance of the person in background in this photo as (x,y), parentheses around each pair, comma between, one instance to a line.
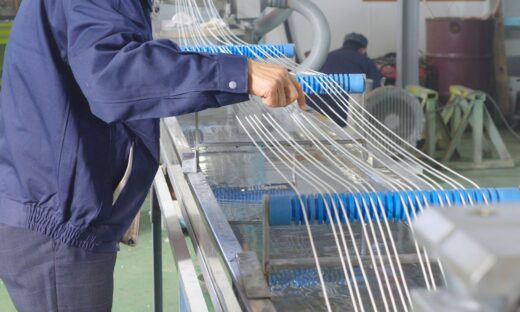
(350,59)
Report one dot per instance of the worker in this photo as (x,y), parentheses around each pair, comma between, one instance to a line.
(83,87)
(350,59)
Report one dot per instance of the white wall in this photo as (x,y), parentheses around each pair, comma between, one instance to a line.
(376,20)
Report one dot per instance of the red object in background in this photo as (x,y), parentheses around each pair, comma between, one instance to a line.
(460,51)
(388,69)
(390,72)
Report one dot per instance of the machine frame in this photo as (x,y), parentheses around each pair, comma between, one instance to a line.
(233,278)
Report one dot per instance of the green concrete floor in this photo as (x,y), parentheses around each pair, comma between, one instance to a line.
(133,275)
(497,177)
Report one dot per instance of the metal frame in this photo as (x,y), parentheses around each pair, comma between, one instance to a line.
(189,282)
(217,248)
(467,108)
(434,124)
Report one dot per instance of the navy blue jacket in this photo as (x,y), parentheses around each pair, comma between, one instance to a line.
(83,81)
(348,60)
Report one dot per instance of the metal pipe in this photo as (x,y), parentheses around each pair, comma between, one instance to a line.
(319,22)
(408,44)
(270,21)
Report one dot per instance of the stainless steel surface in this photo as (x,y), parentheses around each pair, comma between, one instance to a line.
(187,155)
(216,246)
(214,271)
(187,274)
(252,276)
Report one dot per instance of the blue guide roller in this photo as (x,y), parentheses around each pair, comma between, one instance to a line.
(251,51)
(396,206)
(332,83)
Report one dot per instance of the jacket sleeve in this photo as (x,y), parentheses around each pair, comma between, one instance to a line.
(374,73)
(126,76)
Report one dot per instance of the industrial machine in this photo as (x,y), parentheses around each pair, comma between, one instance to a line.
(248,226)
(285,210)
(398,111)
(480,256)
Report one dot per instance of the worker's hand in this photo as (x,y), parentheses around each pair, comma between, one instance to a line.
(274,85)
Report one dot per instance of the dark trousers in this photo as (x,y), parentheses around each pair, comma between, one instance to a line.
(44,275)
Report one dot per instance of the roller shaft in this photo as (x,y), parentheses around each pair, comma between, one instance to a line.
(396,206)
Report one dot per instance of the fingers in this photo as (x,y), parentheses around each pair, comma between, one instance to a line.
(300,93)
(271,98)
(277,93)
(290,91)
(283,91)
(274,85)
(282,99)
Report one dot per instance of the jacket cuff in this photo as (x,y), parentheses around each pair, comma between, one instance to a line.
(233,73)
(225,99)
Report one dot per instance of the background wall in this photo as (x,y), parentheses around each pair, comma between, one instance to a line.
(512,8)
(376,20)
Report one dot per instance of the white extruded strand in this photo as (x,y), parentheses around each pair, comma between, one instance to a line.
(364,205)
(320,185)
(365,188)
(418,252)
(309,232)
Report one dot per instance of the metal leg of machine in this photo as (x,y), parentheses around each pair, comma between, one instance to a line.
(467,108)
(435,126)
(189,282)
(157,253)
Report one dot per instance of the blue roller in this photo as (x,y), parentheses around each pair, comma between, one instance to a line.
(508,195)
(311,209)
(396,206)
(251,51)
(278,210)
(320,209)
(332,83)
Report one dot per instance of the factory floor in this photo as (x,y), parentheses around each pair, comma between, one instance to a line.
(133,274)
